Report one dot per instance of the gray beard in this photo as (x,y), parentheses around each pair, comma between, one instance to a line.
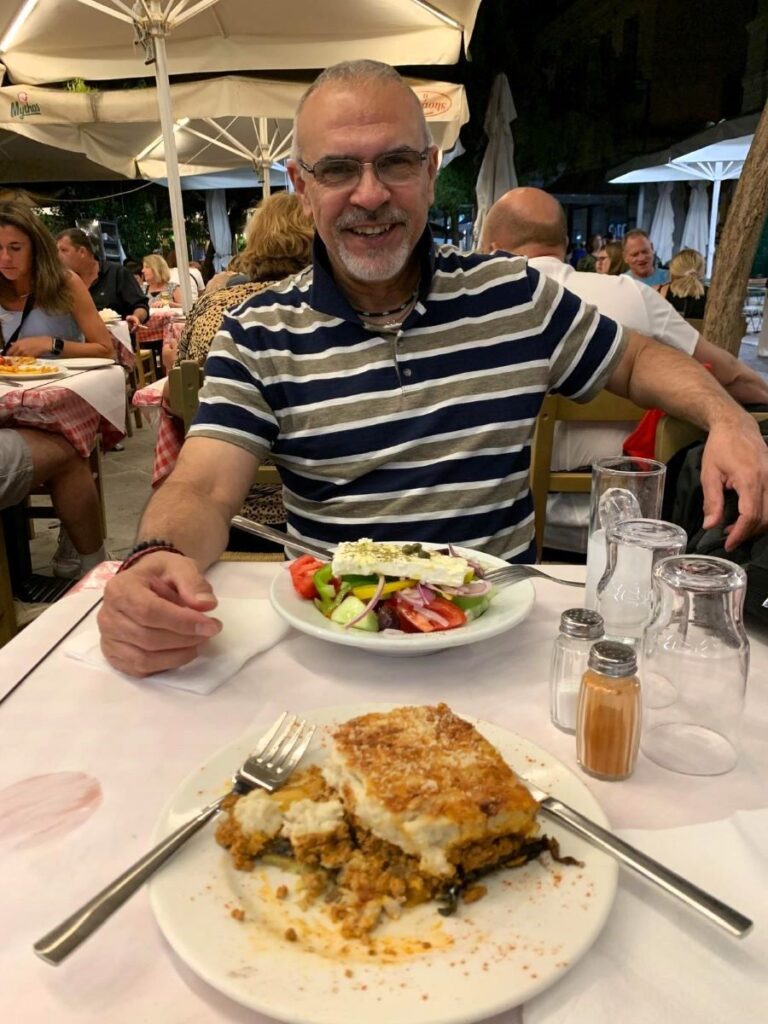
(377,266)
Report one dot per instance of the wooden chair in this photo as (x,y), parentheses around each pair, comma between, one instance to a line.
(673,434)
(697,324)
(605,408)
(184,382)
(7,614)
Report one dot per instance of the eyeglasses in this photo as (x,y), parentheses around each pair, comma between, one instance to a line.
(395,168)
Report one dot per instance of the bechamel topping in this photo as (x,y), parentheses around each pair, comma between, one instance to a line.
(257,812)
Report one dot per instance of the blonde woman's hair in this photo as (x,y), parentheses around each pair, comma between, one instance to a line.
(50,278)
(686,270)
(158,266)
(615,254)
(278,230)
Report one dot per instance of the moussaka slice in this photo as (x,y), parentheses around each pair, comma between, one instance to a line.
(426,781)
(409,805)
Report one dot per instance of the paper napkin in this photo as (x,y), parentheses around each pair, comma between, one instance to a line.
(250,626)
(657,962)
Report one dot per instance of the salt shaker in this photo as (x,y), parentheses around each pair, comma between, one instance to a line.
(579,629)
(609,712)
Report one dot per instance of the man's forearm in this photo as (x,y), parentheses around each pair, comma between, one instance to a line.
(652,374)
(742,384)
(189,519)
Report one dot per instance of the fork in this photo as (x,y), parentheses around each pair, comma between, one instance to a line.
(268,766)
(514,573)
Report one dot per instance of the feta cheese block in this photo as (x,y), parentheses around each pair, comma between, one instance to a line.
(366,557)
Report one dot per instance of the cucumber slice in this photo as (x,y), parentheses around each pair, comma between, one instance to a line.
(349,609)
(473,607)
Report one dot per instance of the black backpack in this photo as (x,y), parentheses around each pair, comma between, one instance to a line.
(683,504)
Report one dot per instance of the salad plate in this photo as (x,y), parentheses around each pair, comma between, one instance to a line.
(532,926)
(509,606)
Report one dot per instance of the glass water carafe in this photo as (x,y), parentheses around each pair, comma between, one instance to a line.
(696,659)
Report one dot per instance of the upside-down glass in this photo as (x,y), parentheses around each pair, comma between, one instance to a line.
(696,659)
(625,592)
(623,487)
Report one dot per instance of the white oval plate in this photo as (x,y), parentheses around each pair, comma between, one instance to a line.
(85,363)
(509,606)
(31,377)
(531,927)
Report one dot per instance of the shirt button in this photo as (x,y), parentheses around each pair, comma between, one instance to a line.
(407,373)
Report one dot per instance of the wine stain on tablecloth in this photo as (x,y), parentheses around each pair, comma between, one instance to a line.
(44,807)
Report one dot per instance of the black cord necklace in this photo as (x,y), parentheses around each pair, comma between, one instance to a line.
(387,312)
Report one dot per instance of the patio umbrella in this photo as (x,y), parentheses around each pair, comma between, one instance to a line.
(663,224)
(695,230)
(46,40)
(497,171)
(222,125)
(715,155)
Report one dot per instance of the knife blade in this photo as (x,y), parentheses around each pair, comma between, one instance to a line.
(705,903)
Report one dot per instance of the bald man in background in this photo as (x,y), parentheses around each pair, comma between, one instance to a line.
(530,222)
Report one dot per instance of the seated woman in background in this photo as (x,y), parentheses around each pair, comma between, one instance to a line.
(45,309)
(610,259)
(686,289)
(278,243)
(157,277)
(195,277)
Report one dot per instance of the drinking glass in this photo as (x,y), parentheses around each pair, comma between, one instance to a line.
(696,660)
(623,487)
(625,592)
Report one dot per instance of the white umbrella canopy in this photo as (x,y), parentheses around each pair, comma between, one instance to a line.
(695,230)
(216,124)
(497,171)
(59,38)
(663,224)
(46,40)
(716,154)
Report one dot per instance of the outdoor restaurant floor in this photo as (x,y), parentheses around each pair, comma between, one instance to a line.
(127,484)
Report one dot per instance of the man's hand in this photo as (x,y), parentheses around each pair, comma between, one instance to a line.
(133,321)
(152,617)
(735,456)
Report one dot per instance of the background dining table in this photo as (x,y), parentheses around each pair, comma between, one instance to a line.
(90,757)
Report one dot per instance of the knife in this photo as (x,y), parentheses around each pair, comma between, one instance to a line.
(720,913)
(278,537)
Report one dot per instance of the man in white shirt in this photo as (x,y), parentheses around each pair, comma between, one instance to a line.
(529,222)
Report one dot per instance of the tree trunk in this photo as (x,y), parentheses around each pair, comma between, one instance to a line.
(723,323)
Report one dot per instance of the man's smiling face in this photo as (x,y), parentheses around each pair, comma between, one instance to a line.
(369,228)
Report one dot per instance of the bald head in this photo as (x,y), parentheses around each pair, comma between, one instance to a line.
(526,221)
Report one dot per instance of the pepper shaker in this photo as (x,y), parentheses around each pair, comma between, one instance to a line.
(609,712)
(579,629)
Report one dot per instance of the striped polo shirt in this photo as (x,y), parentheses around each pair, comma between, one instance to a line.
(420,433)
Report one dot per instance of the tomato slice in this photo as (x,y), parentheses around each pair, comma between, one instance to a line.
(412,621)
(302,570)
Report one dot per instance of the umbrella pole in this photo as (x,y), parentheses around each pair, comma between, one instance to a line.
(713,226)
(172,168)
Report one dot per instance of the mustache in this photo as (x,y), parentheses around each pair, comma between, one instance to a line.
(384,215)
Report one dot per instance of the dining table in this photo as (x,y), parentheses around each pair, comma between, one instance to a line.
(91,756)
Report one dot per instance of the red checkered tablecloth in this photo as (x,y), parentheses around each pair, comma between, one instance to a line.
(58,411)
(170,430)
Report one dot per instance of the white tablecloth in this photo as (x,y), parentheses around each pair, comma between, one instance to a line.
(102,388)
(120,332)
(127,745)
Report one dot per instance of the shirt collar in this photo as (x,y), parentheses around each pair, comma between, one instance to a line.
(326,297)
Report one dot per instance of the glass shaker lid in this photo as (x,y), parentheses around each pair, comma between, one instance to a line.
(613,659)
(582,623)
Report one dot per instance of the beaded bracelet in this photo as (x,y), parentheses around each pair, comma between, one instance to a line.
(147,547)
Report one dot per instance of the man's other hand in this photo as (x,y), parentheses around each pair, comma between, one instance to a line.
(735,456)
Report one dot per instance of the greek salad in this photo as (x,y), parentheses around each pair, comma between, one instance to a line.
(374,586)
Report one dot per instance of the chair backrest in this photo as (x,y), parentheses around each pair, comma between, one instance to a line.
(605,408)
(673,434)
(698,324)
(184,383)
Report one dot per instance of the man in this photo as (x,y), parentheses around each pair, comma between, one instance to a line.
(639,257)
(29,458)
(396,385)
(529,222)
(110,285)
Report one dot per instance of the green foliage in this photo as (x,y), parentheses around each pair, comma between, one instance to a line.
(79,85)
(455,184)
